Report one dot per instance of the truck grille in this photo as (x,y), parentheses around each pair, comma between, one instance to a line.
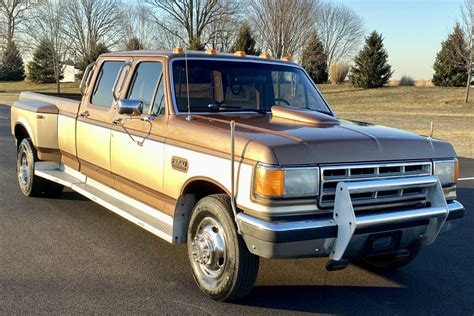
(332,175)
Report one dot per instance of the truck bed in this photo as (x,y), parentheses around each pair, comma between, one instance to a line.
(49,120)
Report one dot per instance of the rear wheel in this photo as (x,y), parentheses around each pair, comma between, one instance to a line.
(223,267)
(387,263)
(30,184)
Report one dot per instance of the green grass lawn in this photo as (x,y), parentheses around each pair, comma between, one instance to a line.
(9,91)
(407,108)
(411,109)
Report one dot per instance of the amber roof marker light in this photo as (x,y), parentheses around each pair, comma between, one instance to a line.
(286,58)
(211,51)
(178,50)
(240,53)
(265,56)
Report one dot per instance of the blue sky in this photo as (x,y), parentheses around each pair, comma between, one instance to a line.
(413,30)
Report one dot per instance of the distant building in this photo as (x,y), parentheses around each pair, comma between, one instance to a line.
(70,71)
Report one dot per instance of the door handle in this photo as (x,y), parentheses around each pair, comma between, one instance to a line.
(84,114)
(117,121)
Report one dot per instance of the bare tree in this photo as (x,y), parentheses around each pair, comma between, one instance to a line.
(194,22)
(138,25)
(282,26)
(89,22)
(340,29)
(46,24)
(13,14)
(467,16)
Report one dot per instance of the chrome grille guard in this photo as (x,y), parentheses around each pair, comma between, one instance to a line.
(347,221)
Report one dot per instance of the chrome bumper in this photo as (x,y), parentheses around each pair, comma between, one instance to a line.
(339,235)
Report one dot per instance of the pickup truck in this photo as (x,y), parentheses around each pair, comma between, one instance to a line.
(240,157)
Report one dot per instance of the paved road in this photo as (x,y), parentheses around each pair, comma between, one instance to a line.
(70,255)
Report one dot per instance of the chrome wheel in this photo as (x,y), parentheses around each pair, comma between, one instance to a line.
(23,169)
(209,248)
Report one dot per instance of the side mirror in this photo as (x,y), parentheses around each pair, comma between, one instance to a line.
(130,107)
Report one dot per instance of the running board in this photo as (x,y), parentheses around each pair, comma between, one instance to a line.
(151,219)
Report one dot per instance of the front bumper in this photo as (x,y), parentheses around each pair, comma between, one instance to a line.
(345,234)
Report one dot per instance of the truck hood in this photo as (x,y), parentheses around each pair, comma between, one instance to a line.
(322,141)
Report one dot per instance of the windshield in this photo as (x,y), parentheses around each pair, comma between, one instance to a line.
(225,86)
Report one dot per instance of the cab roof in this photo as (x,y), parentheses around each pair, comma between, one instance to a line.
(191,54)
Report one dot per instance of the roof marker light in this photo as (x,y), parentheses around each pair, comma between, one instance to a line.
(178,50)
(265,55)
(211,51)
(240,53)
(286,58)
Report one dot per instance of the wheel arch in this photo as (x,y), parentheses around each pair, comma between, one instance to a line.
(192,191)
(22,131)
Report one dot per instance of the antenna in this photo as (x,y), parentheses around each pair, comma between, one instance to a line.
(189,117)
(431,130)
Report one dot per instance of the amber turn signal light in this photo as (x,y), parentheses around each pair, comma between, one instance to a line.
(269,182)
(456,171)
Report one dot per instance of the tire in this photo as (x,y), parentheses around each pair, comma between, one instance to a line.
(388,263)
(223,267)
(30,184)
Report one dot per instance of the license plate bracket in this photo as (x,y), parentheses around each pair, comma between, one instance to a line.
(383,243)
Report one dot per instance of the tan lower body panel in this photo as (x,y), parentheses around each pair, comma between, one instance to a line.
(139,192)
(48,154)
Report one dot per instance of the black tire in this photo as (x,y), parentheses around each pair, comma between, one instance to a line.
(227,275)
(30,184)
(388,263)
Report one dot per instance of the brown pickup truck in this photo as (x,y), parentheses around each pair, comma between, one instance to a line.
(240,157)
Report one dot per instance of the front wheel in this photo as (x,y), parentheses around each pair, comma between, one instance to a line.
(223,267)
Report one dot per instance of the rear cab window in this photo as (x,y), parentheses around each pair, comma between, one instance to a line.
(102,93)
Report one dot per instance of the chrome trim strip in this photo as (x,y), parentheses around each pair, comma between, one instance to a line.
(391,184)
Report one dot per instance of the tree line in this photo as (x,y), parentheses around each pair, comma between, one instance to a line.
(324,36)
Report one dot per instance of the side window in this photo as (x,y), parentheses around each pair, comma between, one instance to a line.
(102,93)
(144,84)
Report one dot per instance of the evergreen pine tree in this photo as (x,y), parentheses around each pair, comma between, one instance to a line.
(371,69)
(11,66)
(245,41)
(314,60)
(196,44)
(134,43)
(92,56)
(41,68)
(452,60)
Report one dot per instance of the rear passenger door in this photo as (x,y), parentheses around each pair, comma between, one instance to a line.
(95,121)
(138,168)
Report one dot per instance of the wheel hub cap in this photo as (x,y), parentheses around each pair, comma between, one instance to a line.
(24,171)
(208,247)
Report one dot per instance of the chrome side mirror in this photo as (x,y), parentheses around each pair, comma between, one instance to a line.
(130,107)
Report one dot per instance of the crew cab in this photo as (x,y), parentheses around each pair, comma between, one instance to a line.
(240,157)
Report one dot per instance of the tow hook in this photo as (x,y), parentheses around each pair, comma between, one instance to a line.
(334,265)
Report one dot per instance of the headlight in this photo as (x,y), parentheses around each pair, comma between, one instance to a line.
(447,171)
(272,181)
